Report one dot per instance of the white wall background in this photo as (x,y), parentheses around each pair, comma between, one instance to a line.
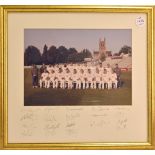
(79,2)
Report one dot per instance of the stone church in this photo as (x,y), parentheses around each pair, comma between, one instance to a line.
(102,50)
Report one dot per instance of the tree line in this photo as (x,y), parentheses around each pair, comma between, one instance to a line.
(125,50)
(53,55)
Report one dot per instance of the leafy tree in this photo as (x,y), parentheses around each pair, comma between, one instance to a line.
(86,53)
(44,55)
(51,55)
(62,55)
(32,55)
(73,57)
(72,51)
(79,57)
(55,55)
(125,50)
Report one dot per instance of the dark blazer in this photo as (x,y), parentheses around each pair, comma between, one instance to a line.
(34,71)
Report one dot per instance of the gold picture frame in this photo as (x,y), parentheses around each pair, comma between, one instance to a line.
(150,13)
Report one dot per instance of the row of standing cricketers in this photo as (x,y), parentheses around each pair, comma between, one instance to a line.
(79,80)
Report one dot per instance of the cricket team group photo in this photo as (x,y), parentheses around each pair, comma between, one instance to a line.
(64,67)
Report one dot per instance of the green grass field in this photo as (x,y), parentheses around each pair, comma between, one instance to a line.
(59,97)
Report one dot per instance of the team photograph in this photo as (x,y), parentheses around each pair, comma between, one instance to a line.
(75,67)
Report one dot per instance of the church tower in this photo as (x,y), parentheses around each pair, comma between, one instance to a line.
(102,46)
(102,50)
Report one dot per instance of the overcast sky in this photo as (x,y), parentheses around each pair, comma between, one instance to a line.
(78,38)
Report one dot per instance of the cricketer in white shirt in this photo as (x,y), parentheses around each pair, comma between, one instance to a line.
(44,79)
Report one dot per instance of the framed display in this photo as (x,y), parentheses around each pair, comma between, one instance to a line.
(77,77)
